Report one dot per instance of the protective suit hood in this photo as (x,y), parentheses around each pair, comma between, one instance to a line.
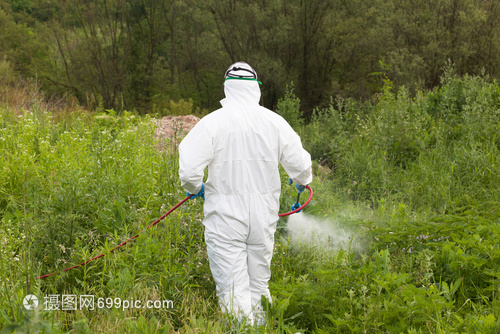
(242,93)
(241,85)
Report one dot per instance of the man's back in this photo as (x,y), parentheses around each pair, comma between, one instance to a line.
(242,144)
(247,144)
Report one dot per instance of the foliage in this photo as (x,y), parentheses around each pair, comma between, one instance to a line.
(74,187)
(136,55)
(415,179)
(428,167)
(289,108)
(435,151)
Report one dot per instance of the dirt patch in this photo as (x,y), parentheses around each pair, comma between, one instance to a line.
(171,130)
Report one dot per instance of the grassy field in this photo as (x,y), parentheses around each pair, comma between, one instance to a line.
(413,180)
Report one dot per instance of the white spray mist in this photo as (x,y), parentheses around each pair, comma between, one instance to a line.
(327,234)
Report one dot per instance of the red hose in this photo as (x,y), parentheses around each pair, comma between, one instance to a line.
(126,241)
(161,218)
(301,207)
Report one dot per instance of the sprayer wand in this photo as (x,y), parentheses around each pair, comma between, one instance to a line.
(298,198)
(296,205)
(297,202)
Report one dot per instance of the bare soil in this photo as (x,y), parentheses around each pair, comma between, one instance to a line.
(171,130)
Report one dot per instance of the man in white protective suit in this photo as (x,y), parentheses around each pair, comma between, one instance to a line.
(242,144)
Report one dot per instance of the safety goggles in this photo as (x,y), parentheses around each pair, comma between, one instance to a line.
(248,79)
(252,76)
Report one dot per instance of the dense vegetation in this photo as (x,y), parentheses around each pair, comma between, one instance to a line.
(146,55)
(416,180)
(397,101)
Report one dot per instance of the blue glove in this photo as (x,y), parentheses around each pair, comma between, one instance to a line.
(300,188)
(296,206)
(200,193)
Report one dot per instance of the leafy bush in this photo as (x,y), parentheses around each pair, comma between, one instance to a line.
(428,167)
(432,151)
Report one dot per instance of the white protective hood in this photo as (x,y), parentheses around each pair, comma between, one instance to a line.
(241,92)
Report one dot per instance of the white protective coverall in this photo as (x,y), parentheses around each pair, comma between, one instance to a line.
(242,144)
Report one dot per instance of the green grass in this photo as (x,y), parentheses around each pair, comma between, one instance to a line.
(416,180)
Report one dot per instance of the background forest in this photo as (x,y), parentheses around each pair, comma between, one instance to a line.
(143,55)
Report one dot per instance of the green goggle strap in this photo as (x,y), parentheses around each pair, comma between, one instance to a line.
(249,79)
